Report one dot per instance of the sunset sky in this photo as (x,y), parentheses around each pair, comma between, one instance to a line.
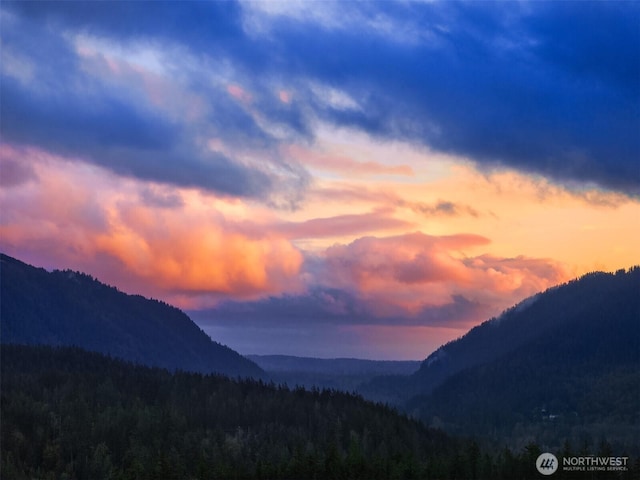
(331,179)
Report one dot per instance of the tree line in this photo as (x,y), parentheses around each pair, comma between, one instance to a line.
(71,414)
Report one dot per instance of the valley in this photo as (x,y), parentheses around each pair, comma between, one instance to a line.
(560,372)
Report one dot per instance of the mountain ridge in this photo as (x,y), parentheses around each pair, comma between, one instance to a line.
(344,365)
(70,308)
(525,321)
(576,378)
(513,328)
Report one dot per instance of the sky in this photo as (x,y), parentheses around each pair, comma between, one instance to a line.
(330,179)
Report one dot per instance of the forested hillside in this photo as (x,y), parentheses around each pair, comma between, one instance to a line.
(68,413)
(575,373)
(71,308)
(72,414)
(611,299)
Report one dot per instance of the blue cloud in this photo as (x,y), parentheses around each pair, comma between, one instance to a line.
(197,23)
(499,89)
(115,135)
(551,88)
(67,111)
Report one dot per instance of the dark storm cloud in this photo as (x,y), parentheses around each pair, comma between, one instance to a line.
(590,47)
(65,110)
(505,84)
(116,135)
(196,23)
(320,306)
(550,88)
(327,306)
(66,121)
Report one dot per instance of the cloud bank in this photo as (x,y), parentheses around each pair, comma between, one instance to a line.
(506,85)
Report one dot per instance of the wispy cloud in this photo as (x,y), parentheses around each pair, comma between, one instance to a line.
(345,164)
(341,225)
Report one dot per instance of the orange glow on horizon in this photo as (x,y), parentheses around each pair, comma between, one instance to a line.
(194,249)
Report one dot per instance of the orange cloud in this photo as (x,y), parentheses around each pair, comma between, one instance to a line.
(84,218)
(193,250)
(341,225)
(409,274)
(203,260)
(341,193)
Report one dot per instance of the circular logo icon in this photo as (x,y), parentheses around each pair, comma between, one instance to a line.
(547,464)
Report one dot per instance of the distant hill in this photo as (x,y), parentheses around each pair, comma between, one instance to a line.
(341,366)
(338,373)
(72,308)
(563,364)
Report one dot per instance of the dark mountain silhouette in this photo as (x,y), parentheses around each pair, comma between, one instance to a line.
(588,302)
(72,308)
(596,298)
(338,366)
(562,364)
